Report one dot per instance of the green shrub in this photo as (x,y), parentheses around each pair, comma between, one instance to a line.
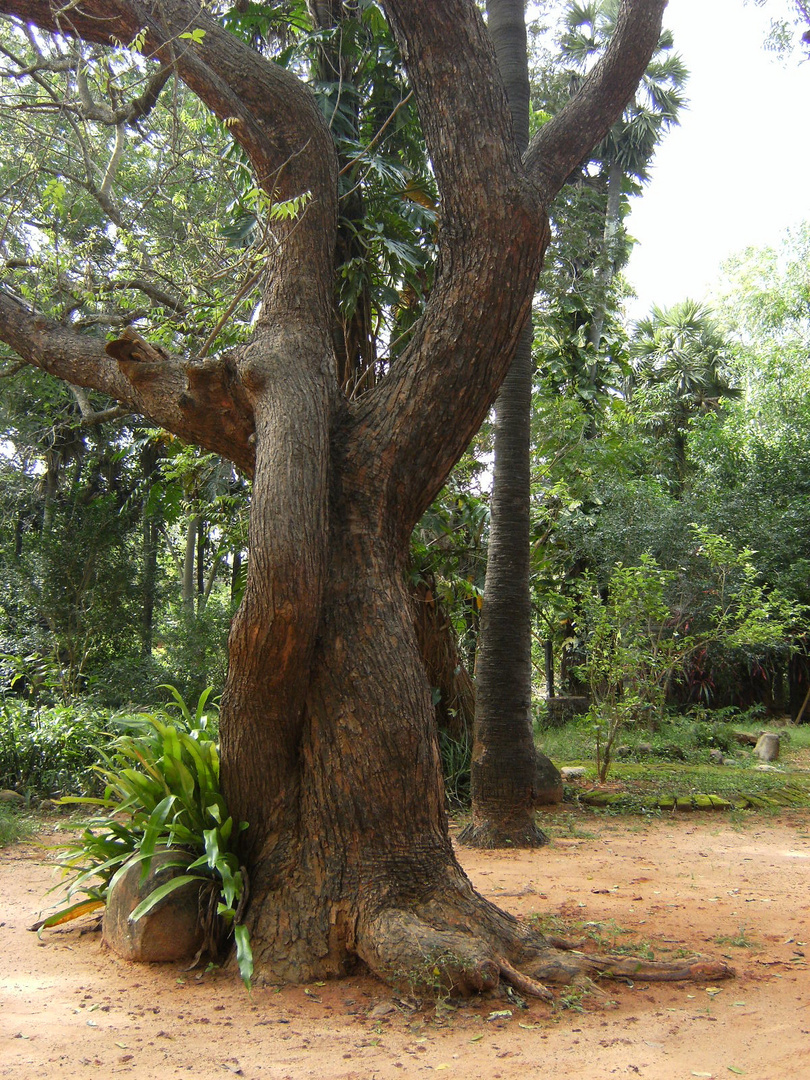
(194,647)
(13,826)
(162,790)
(48,751)
(714,736)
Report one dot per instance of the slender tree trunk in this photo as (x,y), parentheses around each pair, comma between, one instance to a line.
(509,777)
(236,574)
(549,658)
(50,488)
(200,588)
(150,548)
(609,258)
(188,563)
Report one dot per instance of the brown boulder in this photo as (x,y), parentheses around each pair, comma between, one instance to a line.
(172,930)
(548,785)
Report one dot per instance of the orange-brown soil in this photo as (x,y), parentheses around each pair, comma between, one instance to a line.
(736,889)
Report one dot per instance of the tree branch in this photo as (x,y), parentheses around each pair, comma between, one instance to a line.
(566,140)
(159,296)
(272,114)
(493,233)
(203,403)
(91,417)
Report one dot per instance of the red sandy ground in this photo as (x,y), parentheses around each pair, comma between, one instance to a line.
(69,1009)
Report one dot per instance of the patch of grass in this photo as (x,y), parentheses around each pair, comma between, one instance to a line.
(14,827)
(568,745)
(604,935)
(740,940)
(570,828)
(671,769)
(572,998)
(545,922)
(661,779)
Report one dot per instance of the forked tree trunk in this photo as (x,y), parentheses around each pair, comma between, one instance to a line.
(328,740)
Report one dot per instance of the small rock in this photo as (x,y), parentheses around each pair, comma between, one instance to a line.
(8,796)
(171,930)
(767,768)
(745,738)
(716,757)
(385,1008)
(572,772)
(767,748)
(644,748)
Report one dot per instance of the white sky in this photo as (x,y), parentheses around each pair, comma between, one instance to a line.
(737,171)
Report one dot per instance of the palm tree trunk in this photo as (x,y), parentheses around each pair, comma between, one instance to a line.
(509,778)
(609,254)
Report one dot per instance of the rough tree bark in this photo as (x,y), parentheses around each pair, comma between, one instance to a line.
(445,670)
(328,737)
(509,778)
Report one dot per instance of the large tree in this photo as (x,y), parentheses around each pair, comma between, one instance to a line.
(328,737)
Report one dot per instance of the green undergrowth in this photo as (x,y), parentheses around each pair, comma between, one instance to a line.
(15,826)
(672,768)
(161,790)
(679,738)
(674,786)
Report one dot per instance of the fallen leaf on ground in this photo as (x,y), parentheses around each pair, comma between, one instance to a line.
(500,1014)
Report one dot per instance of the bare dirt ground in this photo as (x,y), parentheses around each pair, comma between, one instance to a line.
(737,888)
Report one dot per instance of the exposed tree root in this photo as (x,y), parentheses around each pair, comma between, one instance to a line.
(472,948)
(522,983)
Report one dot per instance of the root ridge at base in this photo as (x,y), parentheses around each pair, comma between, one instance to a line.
(461,956)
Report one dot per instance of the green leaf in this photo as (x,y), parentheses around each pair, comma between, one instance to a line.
(196,36)
(244,953)
(154,830)
(159,894)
